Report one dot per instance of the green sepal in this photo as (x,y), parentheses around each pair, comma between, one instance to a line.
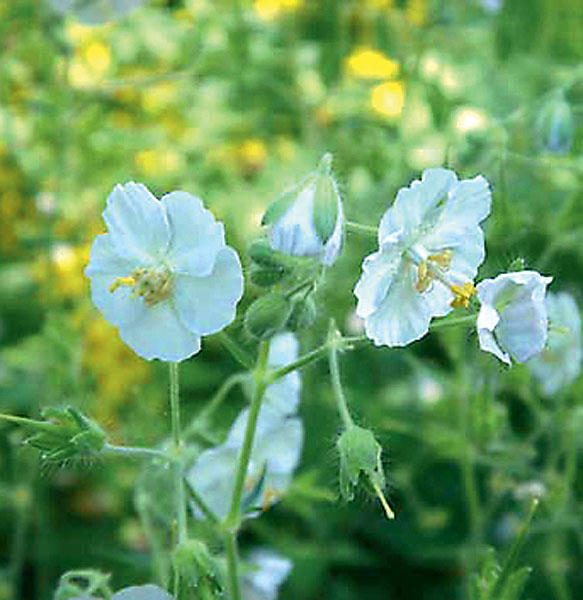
(268,276)
(325,209)
(359,453)
(267,315)
(192,560)
(303,314)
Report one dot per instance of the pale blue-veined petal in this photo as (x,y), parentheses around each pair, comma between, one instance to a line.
(159,333)
(559,364)
(518,299)
(137,223)
(404,314)
(142,592)
(104,267)
(378,272)
(294,232)
(264,574)
(284,394)
(207,304)
(417,207)
(196,237)
(334,244)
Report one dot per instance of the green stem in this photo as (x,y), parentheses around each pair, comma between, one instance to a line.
(238,353)
(203,506)
(259,376)
(363,229)
(233,564)
(453,322)
(233,521)
(333,339)
(132,452)
(177,467)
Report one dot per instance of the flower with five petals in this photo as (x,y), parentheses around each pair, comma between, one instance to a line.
(163,274)
(430,247)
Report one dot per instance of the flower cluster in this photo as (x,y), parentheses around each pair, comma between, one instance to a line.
(162,274)
(276,448)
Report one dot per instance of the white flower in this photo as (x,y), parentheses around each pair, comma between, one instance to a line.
(430,247)
(559,364)
(276,447)
(512,322)
(307,220)
(93,12)
(267,571)
(163,274)
(142,592)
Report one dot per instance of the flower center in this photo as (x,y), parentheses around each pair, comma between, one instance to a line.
(150,284)
(431,267)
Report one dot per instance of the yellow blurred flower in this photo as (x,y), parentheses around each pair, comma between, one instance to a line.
(366,63)
(417,12)
(90,64)
(251,155)
(158,97)
(387,99)
(64,275)
(159,161)
(378,4)
(269,10)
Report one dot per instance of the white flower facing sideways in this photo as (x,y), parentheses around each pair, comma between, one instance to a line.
(163,274)
(559,364)
(430,247)
(307,219)
(512,322)
(276,448)
(264,576)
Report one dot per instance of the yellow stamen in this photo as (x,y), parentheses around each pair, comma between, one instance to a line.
(270,497)
(423,277)
(463,294)
(443,259)
(122,282)
(388,510)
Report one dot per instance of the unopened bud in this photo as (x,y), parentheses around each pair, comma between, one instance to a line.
(307,219)
(303,314)
(268,315)
(194,563)
(554,125)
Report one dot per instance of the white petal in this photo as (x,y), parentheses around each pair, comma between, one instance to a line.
(159,333)
(207,304)
(418,206)
(488,344)
(142,592)
(469,202)
(213,478)
(137,223)
(196,237)
(294,232)
(268,571)
(104,267)
(378,272)
(403,316)
(284,394)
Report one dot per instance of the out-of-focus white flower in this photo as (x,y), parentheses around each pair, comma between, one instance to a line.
(142,592)
(163,274)
(307,220)
(93,12)
(512,323)
(559,364)
(276,447)
(264,576)
(431,245)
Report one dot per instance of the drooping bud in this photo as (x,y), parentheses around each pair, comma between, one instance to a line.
(360,453)
(554,125)
(65,434)
(307,219)
(268,315)
(194,563)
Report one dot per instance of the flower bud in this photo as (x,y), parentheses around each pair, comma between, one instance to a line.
(554,125)
(193,562)
(307,219)
(268,315)
(361,453)
(303,314)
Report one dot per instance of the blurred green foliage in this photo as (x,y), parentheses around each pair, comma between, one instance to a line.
(232,101)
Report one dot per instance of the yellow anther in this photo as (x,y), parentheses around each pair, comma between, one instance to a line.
(463,294)
(122,282)
(443,259)
(423,277)
(270,497)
